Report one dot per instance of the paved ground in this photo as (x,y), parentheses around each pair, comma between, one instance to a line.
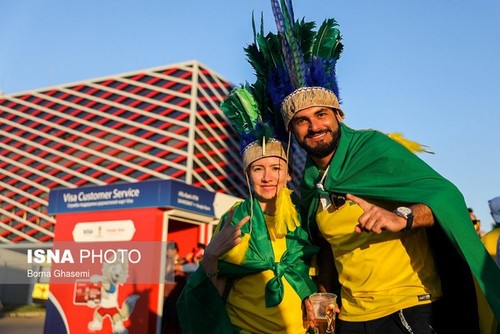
(22,325)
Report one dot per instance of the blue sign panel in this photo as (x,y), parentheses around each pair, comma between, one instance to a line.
(147,194)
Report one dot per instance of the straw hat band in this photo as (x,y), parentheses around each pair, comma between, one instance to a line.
(306,97)
(256,150)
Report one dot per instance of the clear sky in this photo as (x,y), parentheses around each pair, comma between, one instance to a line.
(429,68)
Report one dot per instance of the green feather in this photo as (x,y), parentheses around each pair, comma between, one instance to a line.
(328,41)
(242,110)
(256,60)
(307,35)
(249,105)
(274,54)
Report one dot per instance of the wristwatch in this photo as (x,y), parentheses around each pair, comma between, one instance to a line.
(407,214)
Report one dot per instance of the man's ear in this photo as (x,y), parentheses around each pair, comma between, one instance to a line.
(339,115)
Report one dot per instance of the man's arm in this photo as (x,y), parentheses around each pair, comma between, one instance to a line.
(422,216)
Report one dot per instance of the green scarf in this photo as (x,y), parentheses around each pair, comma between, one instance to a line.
(371,165)
(260,257)
(201,309)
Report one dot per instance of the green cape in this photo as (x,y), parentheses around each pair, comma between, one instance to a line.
(201,308)
(373,166)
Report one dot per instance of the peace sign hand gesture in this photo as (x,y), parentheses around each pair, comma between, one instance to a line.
(228,237)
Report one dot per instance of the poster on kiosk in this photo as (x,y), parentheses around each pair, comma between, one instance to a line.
(108,260)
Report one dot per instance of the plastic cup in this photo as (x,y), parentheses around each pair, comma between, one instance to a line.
(324,305)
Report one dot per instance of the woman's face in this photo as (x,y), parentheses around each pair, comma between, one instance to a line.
(267,176)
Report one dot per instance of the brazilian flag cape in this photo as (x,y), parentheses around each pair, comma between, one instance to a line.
(201,308)
(371,165)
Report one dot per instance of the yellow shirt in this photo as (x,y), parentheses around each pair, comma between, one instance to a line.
(246,301)
(490,240)
(379,273)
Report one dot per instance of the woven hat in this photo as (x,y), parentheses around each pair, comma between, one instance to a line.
(306,97)
(297,65)
(269,147)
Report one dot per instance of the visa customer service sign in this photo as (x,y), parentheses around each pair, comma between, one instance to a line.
(157,193)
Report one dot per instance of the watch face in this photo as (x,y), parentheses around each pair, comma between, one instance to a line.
(404,211)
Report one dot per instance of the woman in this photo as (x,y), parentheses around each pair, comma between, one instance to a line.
(254,275)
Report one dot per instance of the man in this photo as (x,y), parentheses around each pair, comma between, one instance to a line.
(397,233)
(388,275)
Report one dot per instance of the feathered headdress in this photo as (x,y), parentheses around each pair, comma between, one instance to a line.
(297,65)
(253,121)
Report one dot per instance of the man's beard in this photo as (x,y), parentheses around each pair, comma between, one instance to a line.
(322,150)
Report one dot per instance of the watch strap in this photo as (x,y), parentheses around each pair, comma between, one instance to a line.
(409,223)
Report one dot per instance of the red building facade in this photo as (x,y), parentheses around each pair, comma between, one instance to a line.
(159,123)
